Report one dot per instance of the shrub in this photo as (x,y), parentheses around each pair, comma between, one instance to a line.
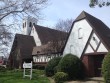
(3,69)
(73,66)
(51,66)
(60,77)
(40,67)
(106,68)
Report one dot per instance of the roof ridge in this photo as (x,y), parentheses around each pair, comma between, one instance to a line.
(22,35)
(48,28)
(84,15)
(98,25)
(81,16)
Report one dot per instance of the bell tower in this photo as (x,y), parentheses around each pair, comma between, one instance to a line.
(27,24)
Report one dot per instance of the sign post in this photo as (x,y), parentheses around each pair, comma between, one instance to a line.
(27,66)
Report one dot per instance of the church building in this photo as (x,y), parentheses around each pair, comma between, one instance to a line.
(37,43)
(88,39)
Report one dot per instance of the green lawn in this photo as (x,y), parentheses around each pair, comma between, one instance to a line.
(16,76)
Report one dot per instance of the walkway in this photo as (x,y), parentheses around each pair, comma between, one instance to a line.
(90,80)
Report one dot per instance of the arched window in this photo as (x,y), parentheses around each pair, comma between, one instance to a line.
(30,24)
(80,33)
(33,30)
(25,24)
(95,40)
(33,23)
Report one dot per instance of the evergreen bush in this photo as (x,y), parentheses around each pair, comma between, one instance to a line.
(40,67)
(51,66)
(73,66)
(60,77)
(106,68)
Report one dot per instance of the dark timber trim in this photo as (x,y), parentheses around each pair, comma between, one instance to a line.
(98,46)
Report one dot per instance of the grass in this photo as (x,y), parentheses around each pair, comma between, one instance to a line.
(16,76)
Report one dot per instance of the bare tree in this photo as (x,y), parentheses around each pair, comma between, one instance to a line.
(54,46)
(20,7)
(100,3)
(63,28)
(5,39)
(14,10)
(64,25)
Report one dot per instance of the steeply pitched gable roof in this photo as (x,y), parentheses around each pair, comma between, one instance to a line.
(47,34)
(98,26)
(81,16)
(25,43)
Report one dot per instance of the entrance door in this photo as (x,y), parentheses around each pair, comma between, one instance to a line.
(98,64)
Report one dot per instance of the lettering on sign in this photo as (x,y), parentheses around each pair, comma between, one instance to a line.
(27,65)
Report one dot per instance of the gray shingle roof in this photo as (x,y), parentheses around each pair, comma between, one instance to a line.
(47,34)
(25,43)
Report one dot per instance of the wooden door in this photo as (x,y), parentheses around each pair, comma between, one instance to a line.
(98,64)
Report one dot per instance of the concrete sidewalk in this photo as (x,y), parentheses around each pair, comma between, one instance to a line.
(89,80)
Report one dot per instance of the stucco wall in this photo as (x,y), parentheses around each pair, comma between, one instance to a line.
(36,37)
(102,48)
(94,44)
(89,49)
(74,44)
(26,23)
(94,41)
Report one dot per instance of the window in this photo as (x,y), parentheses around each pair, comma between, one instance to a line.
(80,33)
(33,30)
(25,24)
(96,41)
(33,23)
(94,38)
(30,24)
(71,48)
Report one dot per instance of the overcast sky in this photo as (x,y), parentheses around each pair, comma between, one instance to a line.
(63,9)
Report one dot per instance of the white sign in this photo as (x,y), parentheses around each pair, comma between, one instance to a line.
(27,65)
